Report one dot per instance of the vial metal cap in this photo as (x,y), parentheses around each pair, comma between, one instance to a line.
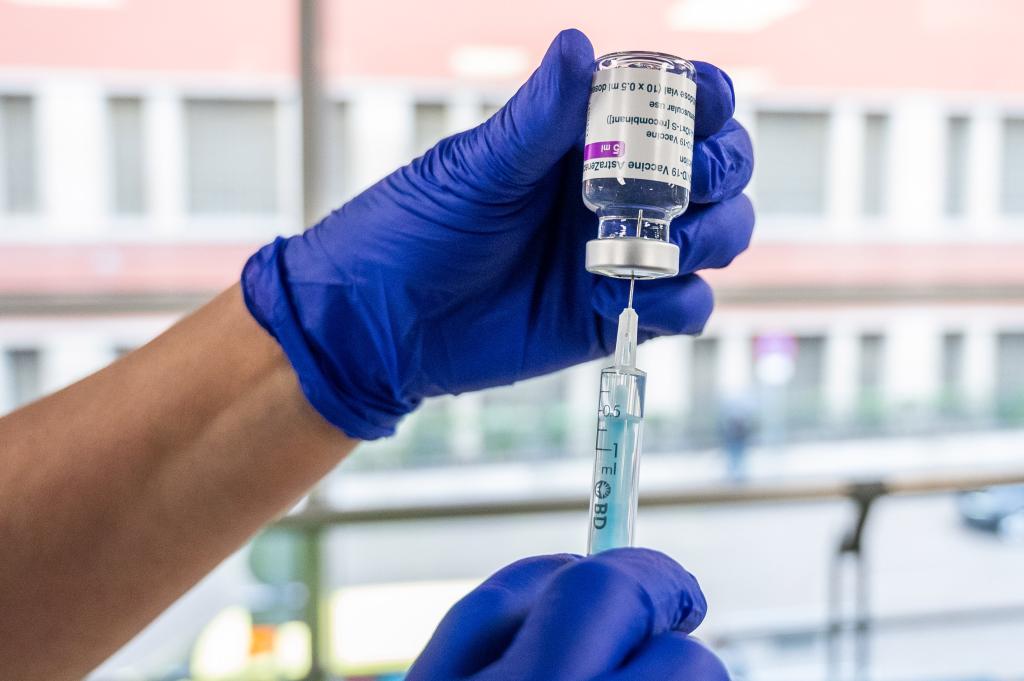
(632,257)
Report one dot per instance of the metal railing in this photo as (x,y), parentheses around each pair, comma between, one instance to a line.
(314,522)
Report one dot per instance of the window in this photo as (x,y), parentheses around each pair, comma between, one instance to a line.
(876,164)
(424,438)
(704,382)
(952,361)
(957,159)
(792,162)
(1013,166)
(872,357)
(232,156)
(1010,375)
(952,369)
(127,156)
(872,349)
(18,193)
(340,155)
(805,388)
(430,125)
(529,419)
(24,376)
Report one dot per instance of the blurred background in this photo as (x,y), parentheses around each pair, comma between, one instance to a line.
(871,341)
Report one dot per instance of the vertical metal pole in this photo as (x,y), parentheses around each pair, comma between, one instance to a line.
(312,105)
(314,612)
(834,640)
(862,640)
(851,547)
(312,187)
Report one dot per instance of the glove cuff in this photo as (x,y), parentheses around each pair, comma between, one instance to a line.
(268,295)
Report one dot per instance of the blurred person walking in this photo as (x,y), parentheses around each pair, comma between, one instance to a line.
(737,424)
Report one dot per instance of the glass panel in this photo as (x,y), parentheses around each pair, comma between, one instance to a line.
(339,185)
(128,171)
(952,361)
(526,420)
(792,162)
(805,388)
(957,159)
(872,347)
(1010,376)
(951,397)
(704,397)
(1013,166)
(18,127)
(876,164)
(872,357)
(232,156)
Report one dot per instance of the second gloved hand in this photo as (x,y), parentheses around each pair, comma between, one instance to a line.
(465,269)
(622,615)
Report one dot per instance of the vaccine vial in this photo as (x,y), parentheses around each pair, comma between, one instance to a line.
(636,161)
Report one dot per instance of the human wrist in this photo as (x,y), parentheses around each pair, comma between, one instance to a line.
(342,371)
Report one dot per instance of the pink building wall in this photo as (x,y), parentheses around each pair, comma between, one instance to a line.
(834,44)
(830,45)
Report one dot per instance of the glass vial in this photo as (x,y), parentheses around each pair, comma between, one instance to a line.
(636,161)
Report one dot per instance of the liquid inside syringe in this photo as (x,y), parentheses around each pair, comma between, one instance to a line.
(620,413)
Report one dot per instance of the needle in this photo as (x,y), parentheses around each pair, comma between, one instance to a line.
(632,282)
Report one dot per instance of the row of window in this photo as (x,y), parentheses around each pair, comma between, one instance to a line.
(533,419)
(808,374)
(231,153)
(231,163)
(793,173)
(807,381)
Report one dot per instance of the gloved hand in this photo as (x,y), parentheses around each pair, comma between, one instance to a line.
(621,615)
(465,269)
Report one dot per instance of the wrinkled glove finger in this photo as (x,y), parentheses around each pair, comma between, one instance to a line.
(716,100)
(722,165)
(595,612)
(672,656)
(666,307)
(711,236)
(479,627)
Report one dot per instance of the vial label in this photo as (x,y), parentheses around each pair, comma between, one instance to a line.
(640,126)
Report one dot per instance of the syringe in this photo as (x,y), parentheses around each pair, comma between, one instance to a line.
(620,413)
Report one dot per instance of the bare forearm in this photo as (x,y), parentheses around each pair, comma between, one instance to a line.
(121,491)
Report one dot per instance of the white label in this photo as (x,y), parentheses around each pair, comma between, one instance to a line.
(640,126)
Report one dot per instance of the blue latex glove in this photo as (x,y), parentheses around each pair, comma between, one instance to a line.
(465,269)
(620,615)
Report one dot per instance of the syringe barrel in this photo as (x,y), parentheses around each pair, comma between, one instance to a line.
(613,495)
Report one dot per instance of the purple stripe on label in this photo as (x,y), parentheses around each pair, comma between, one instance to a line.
(604,150)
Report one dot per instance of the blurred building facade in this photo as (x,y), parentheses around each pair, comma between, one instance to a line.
(146,148)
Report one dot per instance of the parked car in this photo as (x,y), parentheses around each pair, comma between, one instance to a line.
(999,510)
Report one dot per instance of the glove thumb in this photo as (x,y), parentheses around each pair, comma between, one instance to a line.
(515,148)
